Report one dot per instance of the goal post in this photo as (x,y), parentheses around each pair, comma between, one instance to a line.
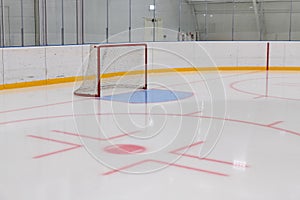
(112,66)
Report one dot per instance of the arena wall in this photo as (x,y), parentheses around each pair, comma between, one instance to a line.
(29,66)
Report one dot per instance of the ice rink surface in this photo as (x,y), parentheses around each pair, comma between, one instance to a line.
(232,135)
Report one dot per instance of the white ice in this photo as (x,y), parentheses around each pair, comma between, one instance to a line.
(237,137)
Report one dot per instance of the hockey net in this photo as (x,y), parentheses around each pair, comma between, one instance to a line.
(114,66)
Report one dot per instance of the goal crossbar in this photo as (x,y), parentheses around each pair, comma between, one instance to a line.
(113,57)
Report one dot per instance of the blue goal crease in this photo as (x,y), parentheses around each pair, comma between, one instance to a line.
(148,96)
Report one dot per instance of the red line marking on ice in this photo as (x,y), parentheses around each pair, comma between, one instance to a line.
(125,167)
(187,147)
(274,124)
(210,159)
(45,118)
(40,106)
(234,87)
(52,140)
(198,157)
(34,119)
(123,149)
(57,152)
(178,115)
(193,113)
(285,130)
(95,138)
(260,96)
(76,115)
(74,146)
(165,163)
(253,123)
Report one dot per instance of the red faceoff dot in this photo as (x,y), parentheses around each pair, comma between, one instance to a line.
(124,149)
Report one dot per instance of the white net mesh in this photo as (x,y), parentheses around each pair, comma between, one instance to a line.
(121,66)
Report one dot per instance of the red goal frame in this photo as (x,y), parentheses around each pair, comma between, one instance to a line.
(99,47)
(98,66)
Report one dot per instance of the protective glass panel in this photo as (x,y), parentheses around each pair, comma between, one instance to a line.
(219,21)
(118,21)
(141,20)
(295,34)
(276,20)
(167,20)
(246,21)
(12,23)
(69,22)
(94,13)
(54,22)
(29,23)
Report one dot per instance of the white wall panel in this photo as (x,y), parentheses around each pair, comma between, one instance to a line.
(277,53)
(252,53)
(172,55)
(85,52)
(285,54)
(221,53)
(292,52)
(41,63)
(24,64)
(210,54)
(63,61)
(203,57)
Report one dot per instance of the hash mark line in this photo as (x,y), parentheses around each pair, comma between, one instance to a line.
(193,113)
(285,130)
(95,138)
(57,152)
(210,160)
(261,96)
(186,147)
(125,167)
(197,157)
(40,106)
(165,163)
(274,124)
(236,88)
(74,146)
(52,140)
(192,168)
